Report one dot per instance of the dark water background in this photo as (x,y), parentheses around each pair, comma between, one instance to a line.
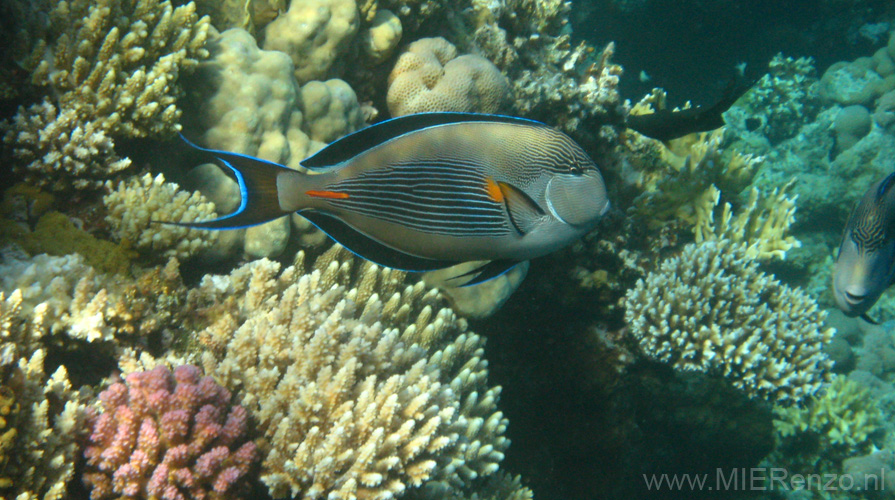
(691,47)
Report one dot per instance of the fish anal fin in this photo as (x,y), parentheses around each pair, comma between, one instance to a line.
(524,211)
(367,248)
(487,271)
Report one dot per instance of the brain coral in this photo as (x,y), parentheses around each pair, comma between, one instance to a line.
(430,76)
(360,393)
(168,436)
(711,309)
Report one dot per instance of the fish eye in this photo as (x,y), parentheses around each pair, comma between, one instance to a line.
(576,169)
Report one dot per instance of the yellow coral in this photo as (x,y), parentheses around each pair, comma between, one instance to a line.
(762,224)
(134,205)
(711,309)
(845,415)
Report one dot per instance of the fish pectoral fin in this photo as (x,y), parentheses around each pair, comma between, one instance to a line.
(367,248)
(524,211)
(487,271)
(868,319)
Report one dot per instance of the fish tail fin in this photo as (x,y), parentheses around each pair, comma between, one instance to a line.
(258,189)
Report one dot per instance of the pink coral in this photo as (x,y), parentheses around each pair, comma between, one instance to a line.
(168,436)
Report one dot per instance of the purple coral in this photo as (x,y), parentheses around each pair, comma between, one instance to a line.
(170,436)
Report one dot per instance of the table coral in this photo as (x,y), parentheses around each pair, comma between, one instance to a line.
(430,76)
(711,309)
(365,391)
(168,435)
(135,207)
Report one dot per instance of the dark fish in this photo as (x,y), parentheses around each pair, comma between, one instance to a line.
(865,266)
(665,125)
(428,191)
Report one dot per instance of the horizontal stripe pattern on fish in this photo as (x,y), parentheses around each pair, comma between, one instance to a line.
(438,199)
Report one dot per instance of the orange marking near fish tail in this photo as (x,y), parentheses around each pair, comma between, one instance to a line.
(332,195)
(494,191)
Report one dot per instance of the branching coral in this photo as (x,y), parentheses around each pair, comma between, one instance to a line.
(761,224)
(136,207)
(67,299)
(41,435)
(828,428)
(119,61)
(684,186)
(711,309)
(112,68)
(361,392)
(172,436)
(63,150)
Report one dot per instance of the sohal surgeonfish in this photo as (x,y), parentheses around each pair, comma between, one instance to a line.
(865,266)
(428,191)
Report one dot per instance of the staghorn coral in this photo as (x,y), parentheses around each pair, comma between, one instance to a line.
(61,150)
(361,392)
(168,435)
(429,76)
(134,205)
(711,309)
(42,431)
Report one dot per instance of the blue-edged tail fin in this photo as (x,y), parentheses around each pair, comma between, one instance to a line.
(259,200)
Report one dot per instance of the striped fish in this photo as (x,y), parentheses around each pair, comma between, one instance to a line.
(865,266)
(428,191)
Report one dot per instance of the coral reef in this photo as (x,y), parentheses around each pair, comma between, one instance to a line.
(40,434)
(838,423)
(136,208)
(430,76)
(761,227)
(711,309)
(61,150)
(367,391)
(314,33)
(112,69)
(68,301)
(168,435)
(783,100)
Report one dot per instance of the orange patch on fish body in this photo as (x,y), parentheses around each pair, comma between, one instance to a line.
(332,195)
(494,191)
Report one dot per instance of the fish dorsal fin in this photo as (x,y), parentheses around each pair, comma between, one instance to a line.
(524,211)
(885,185)
(370,249)
(354,144)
